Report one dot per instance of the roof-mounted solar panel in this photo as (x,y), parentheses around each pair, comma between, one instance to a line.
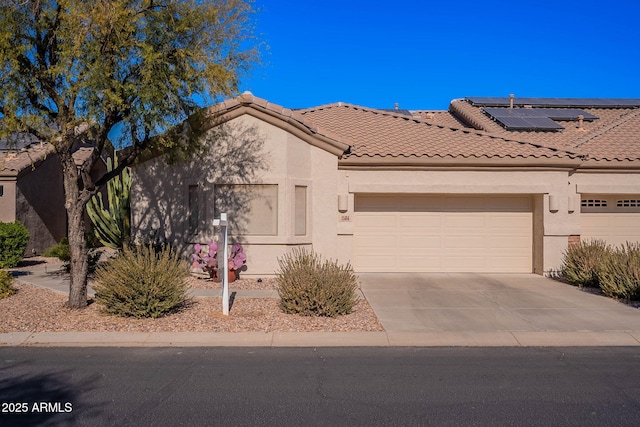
(488,101)
(528,123)
(397,111)
(552,113)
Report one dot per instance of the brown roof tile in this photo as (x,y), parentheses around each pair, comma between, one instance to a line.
(614,136)
(376,133)
(281,114)
(619,141)
(439,117)
(13,162)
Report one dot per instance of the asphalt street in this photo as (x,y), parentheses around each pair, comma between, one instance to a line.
(320,386)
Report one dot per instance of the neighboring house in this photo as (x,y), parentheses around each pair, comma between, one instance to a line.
(492,185)
(31,190)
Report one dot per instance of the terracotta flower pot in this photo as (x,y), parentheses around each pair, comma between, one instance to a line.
(231,277)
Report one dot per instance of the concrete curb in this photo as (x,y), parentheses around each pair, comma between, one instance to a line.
(322,339)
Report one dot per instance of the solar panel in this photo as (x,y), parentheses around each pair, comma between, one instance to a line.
(487,101)
(398,111)
(528,123)
(552,113)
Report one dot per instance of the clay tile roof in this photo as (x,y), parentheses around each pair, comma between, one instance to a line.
(617,142)
(376,133)
(439,117)
(614,136)
(12,162)
(337,142)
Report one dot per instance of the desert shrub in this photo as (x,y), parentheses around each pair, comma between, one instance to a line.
(59,250)
(62,251)
(582,261)
(142,283)
(312,287)
(619,273)
(13,241)
(6,280)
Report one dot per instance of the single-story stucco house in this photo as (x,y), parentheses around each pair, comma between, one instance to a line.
(491,185)
(32,192)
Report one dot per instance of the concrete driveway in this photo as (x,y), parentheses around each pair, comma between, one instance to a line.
(476,304)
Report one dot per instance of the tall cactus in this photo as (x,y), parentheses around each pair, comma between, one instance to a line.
(112,226)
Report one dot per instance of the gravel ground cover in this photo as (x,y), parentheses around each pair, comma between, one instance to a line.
(35,309)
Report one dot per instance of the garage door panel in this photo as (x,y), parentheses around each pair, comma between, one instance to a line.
(509,242)
(463,263)
(454,221)
(464,242)
(452,233)
(411,221)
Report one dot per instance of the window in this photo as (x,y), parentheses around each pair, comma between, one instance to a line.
(631,203)
(594,203)
(300,210)
(251,209)
(194,210)
(1,190)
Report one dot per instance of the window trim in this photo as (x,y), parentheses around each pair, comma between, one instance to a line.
(305,206)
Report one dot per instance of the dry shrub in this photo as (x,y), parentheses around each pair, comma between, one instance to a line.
(142,283)
(6,288)
(582,261)
(619,273)
(312,287)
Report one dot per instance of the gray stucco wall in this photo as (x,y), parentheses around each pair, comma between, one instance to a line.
(40,205)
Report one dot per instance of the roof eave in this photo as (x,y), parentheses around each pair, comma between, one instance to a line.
(278,116)
(616,165)
(457,162)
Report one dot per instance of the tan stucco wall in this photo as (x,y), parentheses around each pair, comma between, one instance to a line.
(8,201)
(605,183)
(160,204)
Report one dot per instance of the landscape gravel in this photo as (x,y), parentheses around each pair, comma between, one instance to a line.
(35,309)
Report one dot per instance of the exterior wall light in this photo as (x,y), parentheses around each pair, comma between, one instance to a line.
(553,203)
(343,203)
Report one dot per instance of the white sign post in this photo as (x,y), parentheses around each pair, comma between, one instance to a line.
(223,264)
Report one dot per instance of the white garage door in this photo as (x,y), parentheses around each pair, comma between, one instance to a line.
(418,233)
(614,219)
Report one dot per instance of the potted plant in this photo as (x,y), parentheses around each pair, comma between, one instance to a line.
(206,257)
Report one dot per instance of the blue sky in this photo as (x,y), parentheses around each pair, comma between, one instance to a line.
(423,54)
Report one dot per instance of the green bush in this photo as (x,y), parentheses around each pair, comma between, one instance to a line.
(13,241)
(62,251)
(619,273)
(6,279)
(142,283)
(311,287)
(59,250)
(582,261)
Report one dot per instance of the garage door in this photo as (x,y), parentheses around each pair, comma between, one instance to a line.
(614,219)
(417,233)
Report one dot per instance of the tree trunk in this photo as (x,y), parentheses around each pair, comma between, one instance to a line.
(79,259)
(74,204)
